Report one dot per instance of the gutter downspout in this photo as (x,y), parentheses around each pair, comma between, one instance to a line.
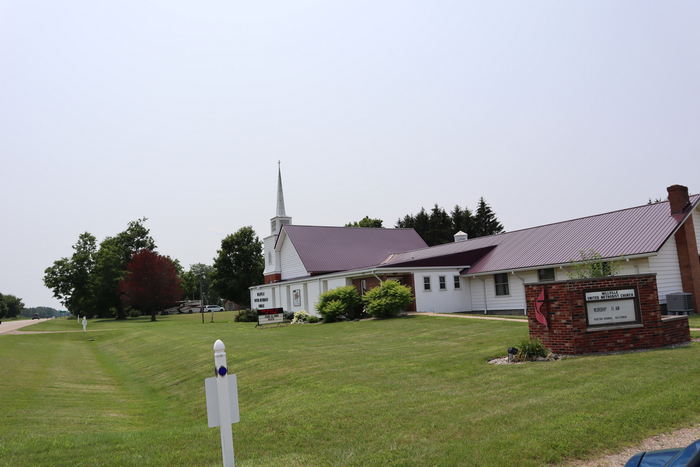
(486,305)
(524,298)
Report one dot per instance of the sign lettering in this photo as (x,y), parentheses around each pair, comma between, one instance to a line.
(607,307)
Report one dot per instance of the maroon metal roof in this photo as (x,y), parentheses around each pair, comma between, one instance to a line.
(330,249)
(632,231)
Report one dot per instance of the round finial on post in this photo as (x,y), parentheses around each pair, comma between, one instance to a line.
(219,346)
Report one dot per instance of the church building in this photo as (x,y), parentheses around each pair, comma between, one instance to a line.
(484,274)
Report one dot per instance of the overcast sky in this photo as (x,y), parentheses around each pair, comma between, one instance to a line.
(179,110)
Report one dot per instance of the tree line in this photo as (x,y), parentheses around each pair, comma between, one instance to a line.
(124,274)
(437,226)
(10,306)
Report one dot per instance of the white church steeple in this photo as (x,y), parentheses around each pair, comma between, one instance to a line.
(281,217)
(280,194)
(272,270)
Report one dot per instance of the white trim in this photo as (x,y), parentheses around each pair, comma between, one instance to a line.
(557,265)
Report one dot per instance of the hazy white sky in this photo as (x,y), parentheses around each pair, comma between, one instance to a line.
(179,110)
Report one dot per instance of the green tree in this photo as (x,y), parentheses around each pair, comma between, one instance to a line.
(111,262)
(438,227)
(440,230)
(591,265)
(239,264)
(421,224)
(200,277)
(365,222)
(462,220)
(14,306)
(407,222)
(485,221)
(69,278)
(3,306)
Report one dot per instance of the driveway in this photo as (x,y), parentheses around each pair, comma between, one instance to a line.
(9,326)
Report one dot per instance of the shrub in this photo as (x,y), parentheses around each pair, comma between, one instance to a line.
(591,265)
(246,316)
(531,350)
(300,317)
(387,299)
(287,315)
(134,313)
(332,310)
(339,303)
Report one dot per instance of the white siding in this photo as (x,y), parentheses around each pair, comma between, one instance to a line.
(515,300)
(337,282)
(292,266)
(314,292)
(668,273)
(450,300)
(270,253)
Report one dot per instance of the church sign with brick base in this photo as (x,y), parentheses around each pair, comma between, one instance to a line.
(601,315)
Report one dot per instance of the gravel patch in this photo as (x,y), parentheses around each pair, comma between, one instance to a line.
(675,439)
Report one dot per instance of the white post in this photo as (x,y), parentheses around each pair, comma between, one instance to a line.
(78,319)
(222,386)
(84,324)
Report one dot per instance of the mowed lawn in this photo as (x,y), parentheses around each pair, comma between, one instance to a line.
(409,391)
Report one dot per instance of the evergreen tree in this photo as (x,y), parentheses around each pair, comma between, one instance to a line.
(438,227)
(408,222)
(366,222)
(462,220)
(485,220)
(440,230)
(421,224)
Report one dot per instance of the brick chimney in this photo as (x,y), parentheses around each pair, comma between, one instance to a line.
(678,198)
(686,244)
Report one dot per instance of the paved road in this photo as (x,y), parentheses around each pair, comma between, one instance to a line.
(9,326)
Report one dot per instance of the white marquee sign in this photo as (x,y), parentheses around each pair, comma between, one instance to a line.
(607,307)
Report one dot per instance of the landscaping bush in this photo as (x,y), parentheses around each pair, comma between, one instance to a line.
(287,315)
(343,302)
(387,299)
(134,313)
(531,350)
(247,316)
(300,317)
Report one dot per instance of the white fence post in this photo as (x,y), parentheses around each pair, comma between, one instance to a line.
(224,399)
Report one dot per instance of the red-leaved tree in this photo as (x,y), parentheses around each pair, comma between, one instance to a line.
(151,283)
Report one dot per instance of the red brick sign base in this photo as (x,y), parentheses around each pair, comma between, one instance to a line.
(570,333)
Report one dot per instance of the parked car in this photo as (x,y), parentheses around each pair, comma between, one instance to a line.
(208,308)
(35,316)
(680,457)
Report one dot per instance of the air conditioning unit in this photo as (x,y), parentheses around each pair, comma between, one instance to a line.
(679,303)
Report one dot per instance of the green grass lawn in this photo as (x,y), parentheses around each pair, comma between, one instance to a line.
(694,320)
(409,391)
